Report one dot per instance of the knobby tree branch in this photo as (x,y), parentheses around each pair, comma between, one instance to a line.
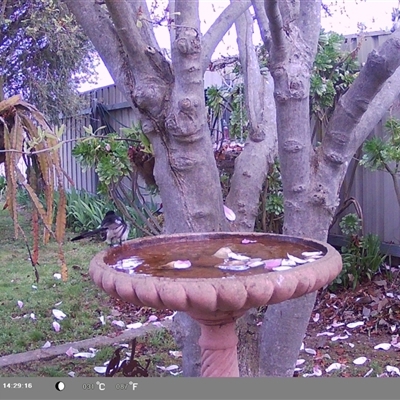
(219,28)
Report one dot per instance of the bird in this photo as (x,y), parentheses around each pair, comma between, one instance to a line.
(113,225)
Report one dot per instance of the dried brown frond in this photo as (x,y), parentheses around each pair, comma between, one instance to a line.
(25,131)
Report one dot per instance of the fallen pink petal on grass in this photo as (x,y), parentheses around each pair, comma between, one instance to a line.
(46,345)
(56,326)
(121,324)
(392,370)
(58,314)
(135,325)
(360,360)
(20,303)
(383,346)
(333,367)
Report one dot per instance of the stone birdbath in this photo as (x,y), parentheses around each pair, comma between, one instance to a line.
(215,278)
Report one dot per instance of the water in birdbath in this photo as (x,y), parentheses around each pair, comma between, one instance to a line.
(211,258)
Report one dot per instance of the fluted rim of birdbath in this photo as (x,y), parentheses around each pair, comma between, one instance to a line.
(236,293)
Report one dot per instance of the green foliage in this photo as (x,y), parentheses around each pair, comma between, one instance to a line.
(333,72)
(350,224)
(85,211)
(44,55)
(271,212)
(383,154)
(3,185)
(230,99)
(107,155)
(361,257)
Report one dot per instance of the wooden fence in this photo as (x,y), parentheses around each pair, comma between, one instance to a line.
(373,190)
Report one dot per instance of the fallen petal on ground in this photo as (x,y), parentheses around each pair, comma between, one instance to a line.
(135,325)
(383,346)
(360,360)
(56,326)
(310,351)
(353,325)
(58,314)
(121,324)
(333,367)
(100,370)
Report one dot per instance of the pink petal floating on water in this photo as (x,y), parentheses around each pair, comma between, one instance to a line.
(247,241)
(182,264)
(56,326)
(229,214)
(272,263)
(281,268)
(20,303)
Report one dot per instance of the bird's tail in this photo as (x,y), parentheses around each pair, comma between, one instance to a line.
(88,234)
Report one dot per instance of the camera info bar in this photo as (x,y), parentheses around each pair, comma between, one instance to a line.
(177,388)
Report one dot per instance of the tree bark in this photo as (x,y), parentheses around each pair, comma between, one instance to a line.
(311,179)
(170,101)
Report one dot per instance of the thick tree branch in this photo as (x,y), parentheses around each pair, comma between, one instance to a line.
(251,167)
(262,20)
(98,27)
(379,105)
(279,48)
(309,22)
(380,66)
(219,28)
(142,13)
(125,19)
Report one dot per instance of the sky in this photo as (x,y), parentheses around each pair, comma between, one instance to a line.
(347,16)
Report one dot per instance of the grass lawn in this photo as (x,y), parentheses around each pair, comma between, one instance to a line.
(29,325)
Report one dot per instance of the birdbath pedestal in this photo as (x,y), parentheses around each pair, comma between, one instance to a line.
(214,297)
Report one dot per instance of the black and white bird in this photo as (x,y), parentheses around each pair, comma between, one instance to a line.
(114,226)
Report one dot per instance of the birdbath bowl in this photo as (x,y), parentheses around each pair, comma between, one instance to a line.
(154,272)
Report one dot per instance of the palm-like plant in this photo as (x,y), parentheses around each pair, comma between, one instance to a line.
(25,133)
